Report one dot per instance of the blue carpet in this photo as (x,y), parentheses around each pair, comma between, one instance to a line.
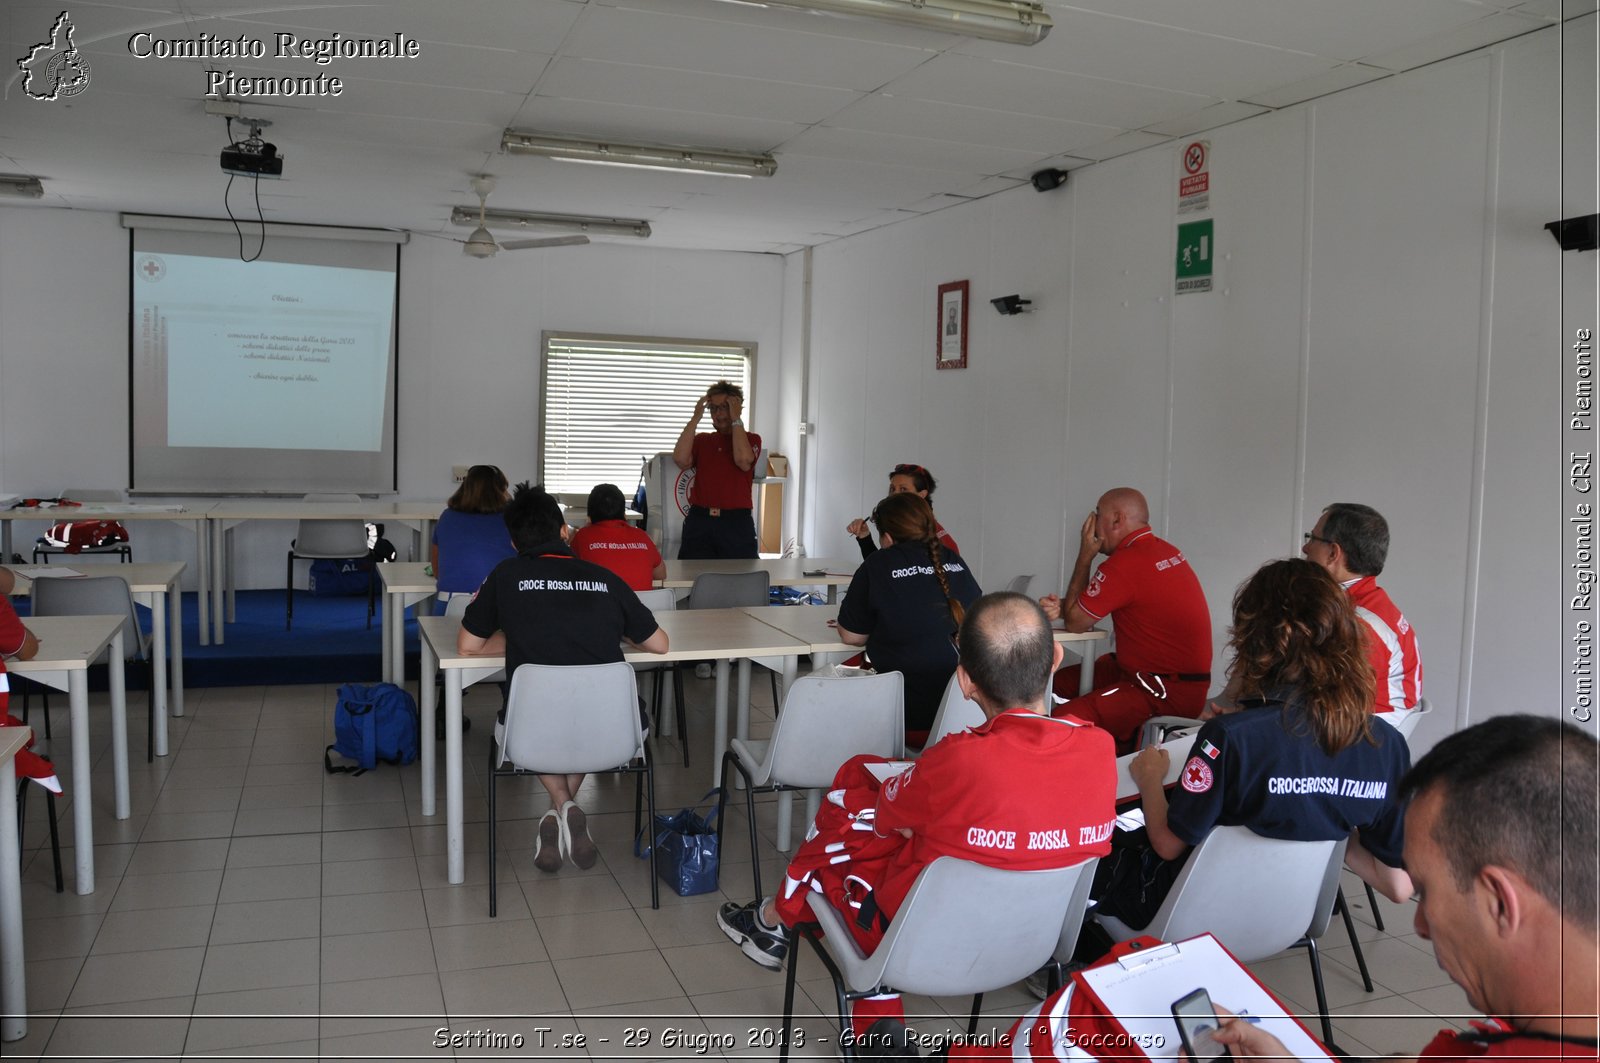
(330,643)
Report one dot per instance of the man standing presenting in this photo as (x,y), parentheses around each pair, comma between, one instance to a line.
(1351,541)
(1163,659)
(719,523)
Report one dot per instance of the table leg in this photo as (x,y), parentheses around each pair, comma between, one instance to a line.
(386,626)
(175,625)
(82,800)
(456,866)
(202,554)
(741,728)
(1086,670)
(231,578)
(785,819)
(119,727)
(219,531)
(719,731)
(158,668)
(13,989)
(5,547)
(428,695)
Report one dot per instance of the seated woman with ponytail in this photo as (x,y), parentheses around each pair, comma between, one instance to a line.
(906,604)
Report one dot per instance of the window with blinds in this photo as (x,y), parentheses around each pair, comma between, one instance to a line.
(609,402)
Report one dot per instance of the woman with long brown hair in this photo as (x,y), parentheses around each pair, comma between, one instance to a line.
(470,536)
(906,604)
(1299,759)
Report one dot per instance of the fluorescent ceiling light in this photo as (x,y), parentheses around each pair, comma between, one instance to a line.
(1008,21)
(22,187)
(572,223)
(641,156)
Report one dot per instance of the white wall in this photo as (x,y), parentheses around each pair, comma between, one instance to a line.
(469,364)
(1385,329)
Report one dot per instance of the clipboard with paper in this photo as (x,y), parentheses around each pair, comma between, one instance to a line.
(1137,992)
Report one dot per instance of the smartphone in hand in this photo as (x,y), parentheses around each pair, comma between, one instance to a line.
(1197,1023)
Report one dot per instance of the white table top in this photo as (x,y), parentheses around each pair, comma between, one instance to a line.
(806,623)
(692,635)
(1177,757)
(13,739)
(828,571)
(66,642)
(299,509)
(113,511)
(404,577)
(142,577)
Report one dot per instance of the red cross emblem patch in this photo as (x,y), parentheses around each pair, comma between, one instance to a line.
(1196,776)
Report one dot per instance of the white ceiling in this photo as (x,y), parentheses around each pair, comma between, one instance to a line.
(871,122)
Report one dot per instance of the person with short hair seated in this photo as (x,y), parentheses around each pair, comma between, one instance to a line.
(992,795)
(610,541)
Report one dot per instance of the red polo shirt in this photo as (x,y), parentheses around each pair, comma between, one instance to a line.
(1154,598)
(718,482)
(619,546)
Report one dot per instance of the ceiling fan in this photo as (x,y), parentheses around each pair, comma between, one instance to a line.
(480,244)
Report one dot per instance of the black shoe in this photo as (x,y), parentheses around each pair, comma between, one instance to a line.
(743,927)
(887,1039)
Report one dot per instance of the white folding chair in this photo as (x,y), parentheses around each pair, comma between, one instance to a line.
(335,540)
(104,595)
(1329,900)
(1256,895)
(825,722)
(1019,584)
(665,600)
(957,712)
(963,928)
(565,720)
(1406,725)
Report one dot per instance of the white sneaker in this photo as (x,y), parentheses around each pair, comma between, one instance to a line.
(549,843)
(576,845)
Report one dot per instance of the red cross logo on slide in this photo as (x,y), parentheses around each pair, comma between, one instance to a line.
(1197,776)
(151,268)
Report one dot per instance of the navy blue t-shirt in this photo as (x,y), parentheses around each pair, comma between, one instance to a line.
(1262,768)
(556,609)
(895,600)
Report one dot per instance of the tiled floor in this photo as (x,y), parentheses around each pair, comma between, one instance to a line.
(255,907)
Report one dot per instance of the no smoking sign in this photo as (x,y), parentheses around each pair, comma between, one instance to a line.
(1194,183)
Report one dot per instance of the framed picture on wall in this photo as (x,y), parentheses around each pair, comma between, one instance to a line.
(951,350)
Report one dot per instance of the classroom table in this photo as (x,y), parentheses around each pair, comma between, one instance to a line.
(13,984)
(830,572)
(227,515)
(195,515)
(404,583)
(154,584)
(67,646)
(693,635)
(812,624)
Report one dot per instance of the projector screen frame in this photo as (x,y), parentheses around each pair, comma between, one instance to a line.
(388,471)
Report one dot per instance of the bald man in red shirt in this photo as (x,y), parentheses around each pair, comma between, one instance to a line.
(1163,660)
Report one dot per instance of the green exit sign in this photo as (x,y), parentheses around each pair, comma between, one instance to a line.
(1196,246)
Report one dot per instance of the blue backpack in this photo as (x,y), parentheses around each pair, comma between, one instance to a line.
(372,723)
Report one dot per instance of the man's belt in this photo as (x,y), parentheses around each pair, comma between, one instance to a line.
(1183,677)
(705,511)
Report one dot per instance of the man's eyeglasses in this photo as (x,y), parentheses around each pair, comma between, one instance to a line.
(1310,538)
(721,407)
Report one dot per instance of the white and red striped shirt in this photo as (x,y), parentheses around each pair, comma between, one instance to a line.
(1391,646)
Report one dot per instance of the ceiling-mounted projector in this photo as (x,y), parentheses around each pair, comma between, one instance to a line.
(252,158)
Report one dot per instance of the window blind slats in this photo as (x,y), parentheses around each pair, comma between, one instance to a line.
(607,404)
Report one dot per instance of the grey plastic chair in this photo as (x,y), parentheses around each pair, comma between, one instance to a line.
(825,722)
(957,712)
(963,928)
(569,719)
(333,540)
(731,590)
(665,600)
(1257,896)
(104,595)
(1329,901)
(1159,730)
(1072,925)
(43,548)
(1019,584)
